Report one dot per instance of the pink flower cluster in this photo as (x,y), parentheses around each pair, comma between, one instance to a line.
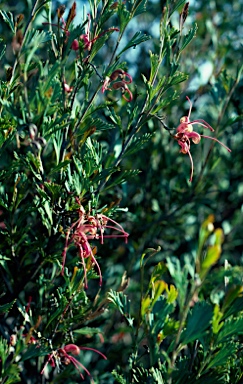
(90,228)
(119,80)
(185,133)
(62,355)
(86,37)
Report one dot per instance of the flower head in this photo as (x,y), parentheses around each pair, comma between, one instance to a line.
(119,80)
(66,87)
(62,355)
(88,228)
(86,37)
(184,133)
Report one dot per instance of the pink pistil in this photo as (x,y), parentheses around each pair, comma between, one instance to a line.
(185,133)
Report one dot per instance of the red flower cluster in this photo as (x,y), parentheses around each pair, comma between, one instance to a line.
(90,228)
(123,79)
(61,355)
(86,37)
(185,133)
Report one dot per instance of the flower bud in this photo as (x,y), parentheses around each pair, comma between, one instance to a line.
(72,348)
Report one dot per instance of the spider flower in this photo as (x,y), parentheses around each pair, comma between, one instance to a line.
(63,355)
(123,79)
(185,133)
(86,37)
(88,228)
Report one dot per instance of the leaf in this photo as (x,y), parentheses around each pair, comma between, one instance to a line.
(13,374)
(162,104)
(35,351)
(137,39)
(217,316)
(145,306)
(221,357)
(177,78)
(34,40)
(87,331)
(212,256)
(121,302)
(124,17)
(118,377)
(122,177)
(98,44)
(3,350)
(233,293)
(188,38)
(97,123)
(177,5)
(231,328)
(172,294)
(60,166)
(206,229)
(197,322)
(6,307)
(138,143)
(55,189)
(157,289)
(235,307)
(58,311)
(160,314)
(8,18)
(2,48)
(157,375)
(154,62)
(141,8)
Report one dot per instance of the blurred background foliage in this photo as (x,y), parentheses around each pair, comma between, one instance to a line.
(159,206)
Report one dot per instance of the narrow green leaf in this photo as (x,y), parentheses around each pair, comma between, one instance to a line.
(157,289)
(60,166)
(122,177)
(176,6)
(118,377)
(2,48)
(221,357)
(6,307)
(179,77)
(217,316)
(99,43)
(141,8)
(231,328)
(9,19)
(34,351)
(188,38)
(87,331)
(137,39)
(154,62)
(212,256)
(124,18)
(138,143)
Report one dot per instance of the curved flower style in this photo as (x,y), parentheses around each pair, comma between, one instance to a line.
(62,355)
(185,133)
(125,79)
(90,228)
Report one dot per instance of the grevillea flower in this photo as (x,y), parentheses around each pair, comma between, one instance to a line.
(90,228)
(86,37)
(62,355)
(123,79)
(185,133)
(67,87)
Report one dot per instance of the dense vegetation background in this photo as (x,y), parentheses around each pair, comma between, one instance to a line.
(169,309)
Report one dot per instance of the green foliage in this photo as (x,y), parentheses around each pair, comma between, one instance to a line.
(6,307)
(93,176)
